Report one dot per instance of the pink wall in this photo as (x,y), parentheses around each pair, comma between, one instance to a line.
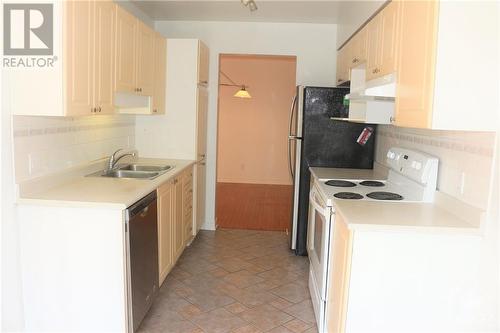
(252,133)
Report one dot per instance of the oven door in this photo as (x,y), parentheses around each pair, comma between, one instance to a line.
(318,240)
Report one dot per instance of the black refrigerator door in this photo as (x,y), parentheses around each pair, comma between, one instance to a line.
(327,143)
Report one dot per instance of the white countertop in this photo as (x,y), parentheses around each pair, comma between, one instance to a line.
(99,192)
(418,216)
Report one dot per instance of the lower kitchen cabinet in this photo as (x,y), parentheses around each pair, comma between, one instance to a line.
(175,220)
(165,227)
(339,276)
(386,279)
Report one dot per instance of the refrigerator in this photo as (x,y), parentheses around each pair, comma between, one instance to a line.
(315,140)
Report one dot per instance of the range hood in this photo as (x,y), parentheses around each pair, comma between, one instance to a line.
(370,101)
(382,88)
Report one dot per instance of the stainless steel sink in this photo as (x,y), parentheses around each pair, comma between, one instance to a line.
(130,174)
(138,171)
(143,167)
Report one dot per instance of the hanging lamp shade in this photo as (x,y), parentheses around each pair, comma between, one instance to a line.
(242,93)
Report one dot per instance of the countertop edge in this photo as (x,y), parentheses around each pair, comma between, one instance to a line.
(36,198)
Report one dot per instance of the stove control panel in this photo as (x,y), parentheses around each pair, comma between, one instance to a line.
(413,164)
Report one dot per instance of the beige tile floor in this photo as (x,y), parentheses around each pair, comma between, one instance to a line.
(237,281)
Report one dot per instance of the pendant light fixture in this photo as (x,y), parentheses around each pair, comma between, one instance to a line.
(241,93)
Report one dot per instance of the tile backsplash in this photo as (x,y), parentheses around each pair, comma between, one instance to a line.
(465,158)
(43,145)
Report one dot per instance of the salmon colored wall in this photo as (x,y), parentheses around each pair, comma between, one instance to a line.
(252,133)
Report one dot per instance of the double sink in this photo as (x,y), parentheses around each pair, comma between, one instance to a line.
(140,171)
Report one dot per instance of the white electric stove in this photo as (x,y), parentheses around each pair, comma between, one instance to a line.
(412,178)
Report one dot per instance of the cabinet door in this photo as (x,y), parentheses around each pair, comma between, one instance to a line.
(342,64)
(201,123)
(203,58)
(165,230)
(104,56)
(416,63)
(126,51)
(358,49)
(187,203)
(178,226)
(145,59)
(78,52)
(373,36)
(389,32)
(160,74)
(200,194)
(339,276)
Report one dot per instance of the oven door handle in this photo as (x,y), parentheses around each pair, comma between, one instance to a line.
(325,211)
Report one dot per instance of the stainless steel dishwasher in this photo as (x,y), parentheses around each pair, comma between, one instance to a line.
(142,257)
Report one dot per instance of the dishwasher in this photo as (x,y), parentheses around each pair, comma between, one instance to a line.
(141,232)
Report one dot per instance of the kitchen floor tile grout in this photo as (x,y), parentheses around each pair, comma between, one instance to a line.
(210,312)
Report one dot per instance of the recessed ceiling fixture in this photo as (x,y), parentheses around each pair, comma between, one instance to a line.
(250,4)
(242,93)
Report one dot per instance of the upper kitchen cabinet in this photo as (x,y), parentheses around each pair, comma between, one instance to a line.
(126,51)
(104,56)
(382,39)
(343,72)
(358,48)
(203,58)
(79,81)
(160,63)
(437,88)
(145,59)
(135,47)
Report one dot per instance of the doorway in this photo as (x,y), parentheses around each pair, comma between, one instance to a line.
(254,187)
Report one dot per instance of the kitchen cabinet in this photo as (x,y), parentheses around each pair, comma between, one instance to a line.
(88,38)
(379,278)
(339,276)
(175,220)
(160,64)
(182,132)
(134,61)
(358,48)
(416,63)
(343,56)
(178,219)
(382,39)
(187,205)
(126,55)
(203,64)
(145,59)
(165,229)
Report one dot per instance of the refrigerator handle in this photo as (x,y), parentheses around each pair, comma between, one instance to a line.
(292,108)
(290,136)
(290,158)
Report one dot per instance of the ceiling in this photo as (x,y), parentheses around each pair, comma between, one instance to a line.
(233,10)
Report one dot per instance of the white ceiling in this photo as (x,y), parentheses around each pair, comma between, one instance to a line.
(325,11)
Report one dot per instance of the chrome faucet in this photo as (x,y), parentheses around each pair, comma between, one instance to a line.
(113,159)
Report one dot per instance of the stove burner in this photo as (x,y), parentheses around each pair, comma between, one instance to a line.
(373,183)
(384,196)
(340,183)
(348,195)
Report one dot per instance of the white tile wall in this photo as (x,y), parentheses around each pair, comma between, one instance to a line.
(464,158)
(43,145)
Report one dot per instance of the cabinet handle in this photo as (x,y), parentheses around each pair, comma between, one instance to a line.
(92,109)
(355,60)
(140,89)
(339,80)
(392,119)
(155,110)
(99,109)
